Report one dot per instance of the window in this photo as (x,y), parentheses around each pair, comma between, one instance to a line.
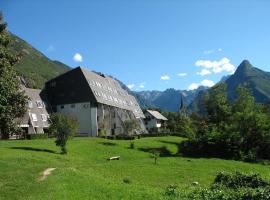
(34,117)
(30,104)
(44,117)
(72,105)
(62,106)
(39,104)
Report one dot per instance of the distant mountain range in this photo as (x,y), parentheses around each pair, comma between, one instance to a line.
(36,69)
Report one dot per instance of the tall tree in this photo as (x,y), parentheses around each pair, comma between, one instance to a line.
(217,104)
(12,98)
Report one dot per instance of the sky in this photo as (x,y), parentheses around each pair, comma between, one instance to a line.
(147,44)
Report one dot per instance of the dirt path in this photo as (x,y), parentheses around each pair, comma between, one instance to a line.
(46,173)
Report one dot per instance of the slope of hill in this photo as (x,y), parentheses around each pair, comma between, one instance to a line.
(246,75)
(34,66)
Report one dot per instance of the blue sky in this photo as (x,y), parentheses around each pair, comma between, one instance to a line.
(147,44)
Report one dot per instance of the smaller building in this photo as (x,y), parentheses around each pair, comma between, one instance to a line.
(154,120)
(36,119)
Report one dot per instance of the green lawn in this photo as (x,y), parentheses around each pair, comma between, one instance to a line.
(84,173)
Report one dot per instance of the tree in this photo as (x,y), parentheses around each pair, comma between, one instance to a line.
(63,127)
(12,98)
(217,104)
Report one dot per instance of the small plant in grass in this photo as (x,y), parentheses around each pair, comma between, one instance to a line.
(127,180)
(63,127)
(132,145)
(171,190)
(155,156)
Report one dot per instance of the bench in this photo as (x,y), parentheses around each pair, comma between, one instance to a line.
(114,158)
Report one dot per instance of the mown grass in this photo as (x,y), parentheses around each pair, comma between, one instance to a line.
(84,173)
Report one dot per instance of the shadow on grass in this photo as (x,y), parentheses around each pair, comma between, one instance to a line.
(169,142)
(34,149)
(108,143)
(162,151)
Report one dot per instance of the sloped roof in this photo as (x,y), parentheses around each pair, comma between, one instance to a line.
(34,96)
(157,115)
(108,91)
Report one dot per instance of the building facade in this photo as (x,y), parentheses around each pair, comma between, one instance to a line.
(98,102)
(154,120)
(36,119)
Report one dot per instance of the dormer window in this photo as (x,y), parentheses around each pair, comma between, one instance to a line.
(40,104)
(30,104)
(34,117)
(44,117)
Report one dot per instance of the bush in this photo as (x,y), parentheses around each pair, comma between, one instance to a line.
(132,145)
(171,190)
(63,127)
(237,186)
(127,180)
(238,180)
(37,136)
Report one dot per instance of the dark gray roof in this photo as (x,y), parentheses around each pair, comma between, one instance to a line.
(37,106)
(108,91)
(157,115)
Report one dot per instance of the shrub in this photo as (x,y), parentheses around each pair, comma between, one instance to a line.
(171,190)
(127,180)
(238,180)
(37,136)
(237,186)
(63,127)
(132,145)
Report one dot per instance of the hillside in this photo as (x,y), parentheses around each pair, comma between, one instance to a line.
(34,66)
(85,172)
(246,75)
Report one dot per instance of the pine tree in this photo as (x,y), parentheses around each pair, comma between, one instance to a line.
(12,98)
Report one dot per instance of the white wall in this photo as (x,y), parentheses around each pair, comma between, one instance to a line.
(85,114)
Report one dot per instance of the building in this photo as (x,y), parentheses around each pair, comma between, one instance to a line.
(36,119)
(153,120)
(98,102)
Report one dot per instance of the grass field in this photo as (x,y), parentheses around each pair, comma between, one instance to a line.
(84,173)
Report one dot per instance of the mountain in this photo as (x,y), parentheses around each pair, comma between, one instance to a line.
(168,100)
(34,66)
(247,75)
(257,80)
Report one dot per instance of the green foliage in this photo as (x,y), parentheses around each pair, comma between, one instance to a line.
(37,136)
(171,190)
(234,131)
(238,186)
(63,127)
(127,180)
(12,98)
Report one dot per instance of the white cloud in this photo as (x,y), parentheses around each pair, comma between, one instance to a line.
(204,72)
(142,85)
(50,48)
(182,74)
(219,49)
(165,77)
(77,57)
(207,83)
(130,86)
(217,66)
(193,86)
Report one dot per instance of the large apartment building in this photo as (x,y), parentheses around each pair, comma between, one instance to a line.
(98,102)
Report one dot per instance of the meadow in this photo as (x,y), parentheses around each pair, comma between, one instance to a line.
(85,172)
